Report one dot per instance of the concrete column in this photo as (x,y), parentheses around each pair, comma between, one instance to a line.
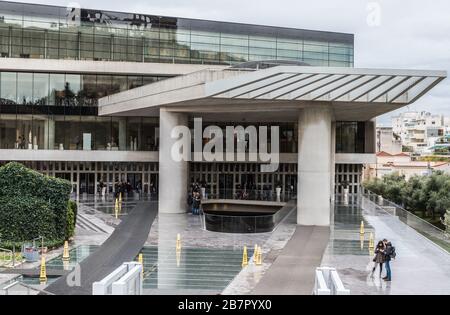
(173,175)
(370,142)
(122,134)
(333,160)
(314,166)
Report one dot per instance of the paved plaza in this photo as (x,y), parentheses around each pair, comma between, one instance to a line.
(421,267)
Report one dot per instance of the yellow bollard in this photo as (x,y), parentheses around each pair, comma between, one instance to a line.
(372,241)
(66,265)
(361,240)
(43,273)
(116,208)
(141,261)
(66,256)
(244,257)
(255,252)
(120,202)
(361,230)
(259,257)
(178,246)
(178,256)
(371,245)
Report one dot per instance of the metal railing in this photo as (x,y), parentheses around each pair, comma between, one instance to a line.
(6,257)
(20,288)
(251,194)
(430,231)
(246,222)
(328,282)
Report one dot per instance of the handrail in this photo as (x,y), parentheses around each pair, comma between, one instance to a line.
(28,287)
(4,250)
(401,208)
(430,232)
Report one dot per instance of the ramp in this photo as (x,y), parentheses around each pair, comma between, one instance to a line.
(294,270)
(123,245)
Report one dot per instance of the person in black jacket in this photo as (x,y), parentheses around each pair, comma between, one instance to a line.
(389,254)
(196,203)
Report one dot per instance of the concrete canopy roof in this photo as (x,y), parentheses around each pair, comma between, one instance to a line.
(354,94)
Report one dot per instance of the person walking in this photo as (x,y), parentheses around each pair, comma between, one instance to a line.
(379,258)
(389,253)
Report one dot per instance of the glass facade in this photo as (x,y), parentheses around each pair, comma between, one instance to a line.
(59,89)
(350,137)
(50,32)
(288,134)
(57,111)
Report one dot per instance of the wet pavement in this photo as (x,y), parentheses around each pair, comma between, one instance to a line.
(421,267)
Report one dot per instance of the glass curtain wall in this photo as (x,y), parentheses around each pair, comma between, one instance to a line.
(57,111)
(350,137)
(33,31)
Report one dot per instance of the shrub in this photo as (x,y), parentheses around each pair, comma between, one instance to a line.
(32,205)
(24,218)
(71,218)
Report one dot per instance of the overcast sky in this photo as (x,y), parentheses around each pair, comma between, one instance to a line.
(399,34)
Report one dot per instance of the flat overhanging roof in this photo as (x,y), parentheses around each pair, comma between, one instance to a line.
(354,94)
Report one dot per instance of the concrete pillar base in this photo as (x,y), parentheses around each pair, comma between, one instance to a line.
(173,175)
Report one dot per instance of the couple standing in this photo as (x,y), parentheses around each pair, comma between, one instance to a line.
(384,253)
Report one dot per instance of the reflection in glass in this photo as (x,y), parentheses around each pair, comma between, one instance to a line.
(24,88)
(72,89)
(101,35)
(56,89)
(8,87)
(40,88)
(350,137)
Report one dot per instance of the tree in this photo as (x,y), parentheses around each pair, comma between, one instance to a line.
(446,221)
(428,194)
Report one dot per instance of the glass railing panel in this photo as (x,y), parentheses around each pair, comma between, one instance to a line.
(431,232)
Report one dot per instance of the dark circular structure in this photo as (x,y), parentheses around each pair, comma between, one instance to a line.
(229,216)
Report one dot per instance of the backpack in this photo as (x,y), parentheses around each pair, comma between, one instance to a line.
(392,253)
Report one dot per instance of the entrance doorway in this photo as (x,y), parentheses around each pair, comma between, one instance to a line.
(135,180)
(225,186)
(87,183)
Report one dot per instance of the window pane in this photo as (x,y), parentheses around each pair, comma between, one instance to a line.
(33,43)
(103,85)
(119,84)
(8,134)
(68,45)
(134,82)
(40,88)
(88,95)
(16,42)
(72,88)
(24,88)
(8,87)
(4,41)
(56,89)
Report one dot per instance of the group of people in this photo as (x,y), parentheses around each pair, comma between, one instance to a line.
(21,143)
(384,253)
(122,187)
(195,198)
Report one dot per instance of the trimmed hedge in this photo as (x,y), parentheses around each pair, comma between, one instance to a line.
(71,218)
(32,205)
